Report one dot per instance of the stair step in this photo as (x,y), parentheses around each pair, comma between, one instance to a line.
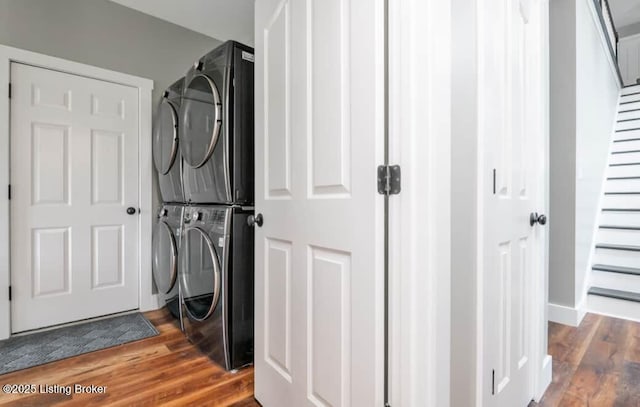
(622,164)
(620,209)
(633,129)
(617,294)
(624,140)
(619,227)
(616,269)
(622,193)
(621,178)
(621,247)
(625,152)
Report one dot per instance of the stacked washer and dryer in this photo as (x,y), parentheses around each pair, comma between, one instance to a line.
(205,156)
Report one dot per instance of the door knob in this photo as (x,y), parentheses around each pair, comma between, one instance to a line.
(131,210)
(255,220)
(535,218)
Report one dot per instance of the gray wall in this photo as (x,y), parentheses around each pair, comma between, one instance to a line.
(562,34)
(584,96)
(628,30)
(103,34)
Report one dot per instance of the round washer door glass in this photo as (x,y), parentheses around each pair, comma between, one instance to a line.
(200,274)
(165,257)
(201,120)
(165,137)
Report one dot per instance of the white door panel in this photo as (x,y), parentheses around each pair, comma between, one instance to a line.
(319,138)
(74,171)
(511,111)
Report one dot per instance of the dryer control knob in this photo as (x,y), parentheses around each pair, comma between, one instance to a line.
(163,212)
(196,216)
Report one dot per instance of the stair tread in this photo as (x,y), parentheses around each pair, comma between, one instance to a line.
(620,209)
(616,269)
(620,227)
(617,294)
(618,247)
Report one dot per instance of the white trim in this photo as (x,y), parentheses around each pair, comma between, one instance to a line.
(546,375)
(145,86)
(419,226)
(613,64)
(562,314)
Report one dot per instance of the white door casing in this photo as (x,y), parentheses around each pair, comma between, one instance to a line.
(511,123)
(74,172)
(319,255)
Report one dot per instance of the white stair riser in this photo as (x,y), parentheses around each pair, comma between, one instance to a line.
(630,89)
(625,158)
(615,281)
(616,236)
(617,258)
(626,135)
(620,218)
(626,146)
(628,115)
(634,124)
(629,98)
(629,106)
(614,307)
(622,185)
(621,201)
(624,171)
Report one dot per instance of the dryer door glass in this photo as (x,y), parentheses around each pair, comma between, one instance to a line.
(165,137)
(165,257)
(199,273)
(201,119)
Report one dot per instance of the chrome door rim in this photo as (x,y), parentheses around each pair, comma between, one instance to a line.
(174,256)
(216,273)
(217,101)
(174,145)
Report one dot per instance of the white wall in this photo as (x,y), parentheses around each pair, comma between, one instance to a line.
(629,59)
(597,91)
(584,95)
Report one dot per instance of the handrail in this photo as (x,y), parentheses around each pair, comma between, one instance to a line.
(611,33)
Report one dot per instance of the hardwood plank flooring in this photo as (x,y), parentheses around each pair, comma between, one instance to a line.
(162,370)
(596,364)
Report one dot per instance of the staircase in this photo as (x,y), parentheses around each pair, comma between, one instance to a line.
(615,276)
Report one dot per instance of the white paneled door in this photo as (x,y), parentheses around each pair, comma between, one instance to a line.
(512,127)
(74,173)
(319,254)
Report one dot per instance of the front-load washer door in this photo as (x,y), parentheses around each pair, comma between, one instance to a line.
(201,120)
(165,137)
(165,257)
(200,274)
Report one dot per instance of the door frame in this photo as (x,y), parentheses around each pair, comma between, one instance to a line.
(146,299)
(419,96)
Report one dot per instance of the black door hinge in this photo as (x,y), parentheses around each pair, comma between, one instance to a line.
(9,191)
(493,382)
(389,179)
(9,90)
(494,181)
(9,293)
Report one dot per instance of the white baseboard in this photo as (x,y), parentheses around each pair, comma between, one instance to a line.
(565,315)
(546,374)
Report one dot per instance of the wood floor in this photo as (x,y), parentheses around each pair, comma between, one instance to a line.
(596,364)
(162,370)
